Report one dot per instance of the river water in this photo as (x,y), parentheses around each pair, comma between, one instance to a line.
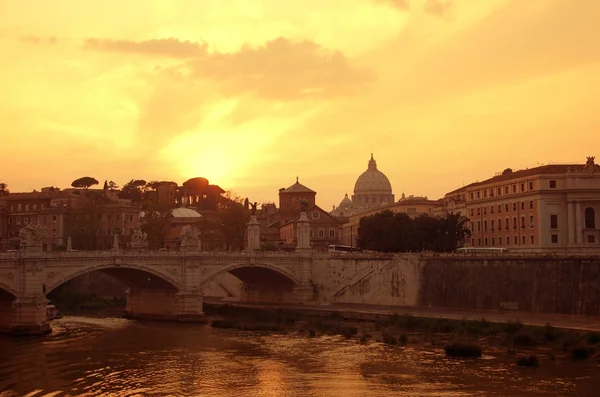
(110,356)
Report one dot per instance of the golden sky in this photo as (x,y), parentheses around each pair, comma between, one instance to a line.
(251,93)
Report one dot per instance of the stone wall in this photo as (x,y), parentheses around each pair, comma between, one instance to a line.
(532,283)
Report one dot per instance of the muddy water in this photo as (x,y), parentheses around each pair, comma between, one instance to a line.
(108,356)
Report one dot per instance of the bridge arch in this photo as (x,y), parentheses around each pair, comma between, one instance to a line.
(130,274)
(7,292)
(251,273)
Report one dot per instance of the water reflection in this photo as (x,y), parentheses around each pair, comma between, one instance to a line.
(88,356)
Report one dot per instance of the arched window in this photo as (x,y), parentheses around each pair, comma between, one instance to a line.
(590,218)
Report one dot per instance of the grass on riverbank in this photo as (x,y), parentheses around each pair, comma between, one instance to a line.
(459,338)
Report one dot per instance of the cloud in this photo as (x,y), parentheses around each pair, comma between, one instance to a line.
(170,47)
(281,69)
(398,4)
(31,39)
(437,7)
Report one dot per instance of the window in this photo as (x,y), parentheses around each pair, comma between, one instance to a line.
(19,207)
(479,242)
(553,186)
(472,196)
(522,187)
(590,218)
(478,195)
(486,241)
(9,222)
(522,222)
(531,221)
(491,192)
(499,191)
(473,242)
(514,222)
(493,241)
(514,188)
(514,206)
(479,226)
(522,205)
(507,240)
(472,212)
(506,207)
(484,210)
(131,218)
(531,239)
(26,207)
(26,220)
(507,224)
(530,204)
(499,240)
(516,239)
(485,193)
(312,233)
(18,221)
(553,221)
(478,211)
(331,233)
(523,240)
(499,223)
(53,218)
(321,233)
(54,233)
(505,189)
(591,239)
(491,209)
(499,208)
(485,227)
(492,225)
(531,187)
(554,238)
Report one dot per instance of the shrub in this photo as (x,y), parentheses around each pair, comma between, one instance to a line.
(463,349)
(549,333)
(311,333)
(524,337)
(579,353)
(389,339)
(593,338)
(403,340)
(528,361)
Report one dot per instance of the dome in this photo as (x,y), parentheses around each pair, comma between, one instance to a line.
(346,202)
(185,213)
(372,181)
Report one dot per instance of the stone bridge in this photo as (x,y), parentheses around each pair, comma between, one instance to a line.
(161,284)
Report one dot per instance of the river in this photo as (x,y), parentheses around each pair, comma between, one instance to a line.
(111,356)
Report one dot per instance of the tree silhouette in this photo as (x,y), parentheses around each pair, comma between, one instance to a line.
(390,232)
(3,189)
(84,182)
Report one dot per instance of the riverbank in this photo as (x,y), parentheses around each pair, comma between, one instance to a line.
(529,344)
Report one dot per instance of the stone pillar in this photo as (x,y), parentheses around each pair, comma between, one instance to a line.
(165,304)
(578,223)
(253,234)
(69,246)
(303,234)
(28,310)
(115,242)
(571,222)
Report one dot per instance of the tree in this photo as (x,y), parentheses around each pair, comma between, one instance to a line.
(3,189)
(156,223)
(112,186)
(132,190)
(389,232)
(84,182)
(227,228)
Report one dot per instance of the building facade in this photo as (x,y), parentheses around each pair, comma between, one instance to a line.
(543,209)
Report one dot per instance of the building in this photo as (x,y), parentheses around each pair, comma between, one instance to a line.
(180,217)
(371,190)
(412,206)
(64,214)
(547,208)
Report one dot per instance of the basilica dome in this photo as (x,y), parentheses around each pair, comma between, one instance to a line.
(372,181)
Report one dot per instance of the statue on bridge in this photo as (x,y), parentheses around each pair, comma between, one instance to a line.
(190,237)
(139,239)
(254,205)
(32,235)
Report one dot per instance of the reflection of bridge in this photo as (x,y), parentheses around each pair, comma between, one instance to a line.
(161,284)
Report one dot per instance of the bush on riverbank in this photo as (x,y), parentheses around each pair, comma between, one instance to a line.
(463,349)
(530,360)
(582,352)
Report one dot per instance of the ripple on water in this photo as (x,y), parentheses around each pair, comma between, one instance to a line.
(106,357)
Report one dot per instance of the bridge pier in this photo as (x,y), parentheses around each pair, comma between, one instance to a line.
(165,304)
(24,316)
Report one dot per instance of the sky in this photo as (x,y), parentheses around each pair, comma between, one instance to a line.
(252,93)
